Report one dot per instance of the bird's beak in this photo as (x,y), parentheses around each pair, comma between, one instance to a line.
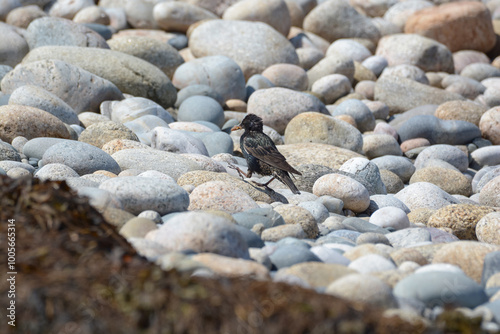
(236,127)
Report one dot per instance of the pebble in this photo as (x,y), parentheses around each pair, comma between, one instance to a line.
(401,166)
(390,216)
(101,133)
(316,274)
(221,73)
(278,233)
(379,145)
(392,182)
(293,214)
(278,106)
(334,64)
(201,108)
(287,76)
(289,255)
(461,110)
(489,194)
(249,51)
(178,16)
(314,127)
(371,263)
(363,288)
(486,156)
(362,226)
(364,118)
(425,195)
(116,67)
(408,71)
(489,125)
(451,181)
(409,237)
(354,195)
(234,268)
(82,157)
(146,159)
(487,228)
(219,195)
(176,141)
(201,232)
(55,172)
(366,171)
(348,47)
(137,228)
(440,288)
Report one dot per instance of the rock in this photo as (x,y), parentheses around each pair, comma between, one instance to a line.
(367,171)
(133,108)
(316,274)
(287,76)
(490,267)
(195,90)
(232,268)
(37,97)
(289,255)
(461,110)
(219,195)
(176,141)
(486,156)
(468,255)
(275,13)
(256,82)
(363,288)
(116,145)
(137,228)
(55,172)
(349,47)
(364,118)
(401,166)
(415,94)
(480,72)
(278,106)
(487,228)
(203,233)
(278,233)
(201,108)
(440,289)
(489,125)
(381,201)
(168,163)
(379,145)
(332,87)
(22,16)
(425,195)
(162,55)
(178,16)
(454,23)
(393,183)
(265,216)
(438,131)
(101,133)
(145,80)
(82,157)
(354,195)
(219,72)
(462,85)
(216,142)
(371,263)
(205,162)
(296,215)
(29,122)
(14,46)
(408,254)
(318,210)
(52,31)
(252,52)
(335,64)
(336,20)
(80,89)
(318,128)
(390,216)
(376,64)
(453,182)
(399,13)
(490,195)
(412,49)
(408,71)
(408,237)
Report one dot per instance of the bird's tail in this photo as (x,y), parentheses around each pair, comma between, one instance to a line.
(284,177)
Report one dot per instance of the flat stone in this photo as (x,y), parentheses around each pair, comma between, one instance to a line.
(145,80)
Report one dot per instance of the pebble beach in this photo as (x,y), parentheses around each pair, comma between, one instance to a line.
(389,109)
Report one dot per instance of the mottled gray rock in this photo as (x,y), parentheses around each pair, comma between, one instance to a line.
(410,94)
(7,152)
(365,121)
(13,47)
(36,147)
(448,153)
(82,157)
(438,131)
(366,170)
(35,96)
(401,166)
(130,74)
(141,193)
(55,172)
(47,31)
(80,89)
(168,163)
(252,52)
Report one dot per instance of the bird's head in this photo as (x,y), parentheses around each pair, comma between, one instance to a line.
(250,123)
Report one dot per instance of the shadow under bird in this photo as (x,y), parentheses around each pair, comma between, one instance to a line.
(261,154)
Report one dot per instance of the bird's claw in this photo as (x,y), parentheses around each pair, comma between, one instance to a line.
(236,168)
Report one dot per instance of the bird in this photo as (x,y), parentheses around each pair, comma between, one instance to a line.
(261,154)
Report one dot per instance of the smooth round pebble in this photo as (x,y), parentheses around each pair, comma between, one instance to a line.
(390,216)
(354,195)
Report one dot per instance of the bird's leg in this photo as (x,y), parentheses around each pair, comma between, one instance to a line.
(264,184)
(240,172)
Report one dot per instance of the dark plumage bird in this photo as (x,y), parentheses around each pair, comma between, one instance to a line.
(262,155)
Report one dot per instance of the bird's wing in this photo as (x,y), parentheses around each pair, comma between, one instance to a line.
(264,149)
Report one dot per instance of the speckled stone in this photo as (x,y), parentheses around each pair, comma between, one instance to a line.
(378,145)
(101,133)
(468,255)
(116,145)
(461,110)
(425,195)
(392,182)
(451,181)
(420,215)
(489,194)
(220,195)
(293,214)
(233,268)
(460,218)
(408,254)
(487,228)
